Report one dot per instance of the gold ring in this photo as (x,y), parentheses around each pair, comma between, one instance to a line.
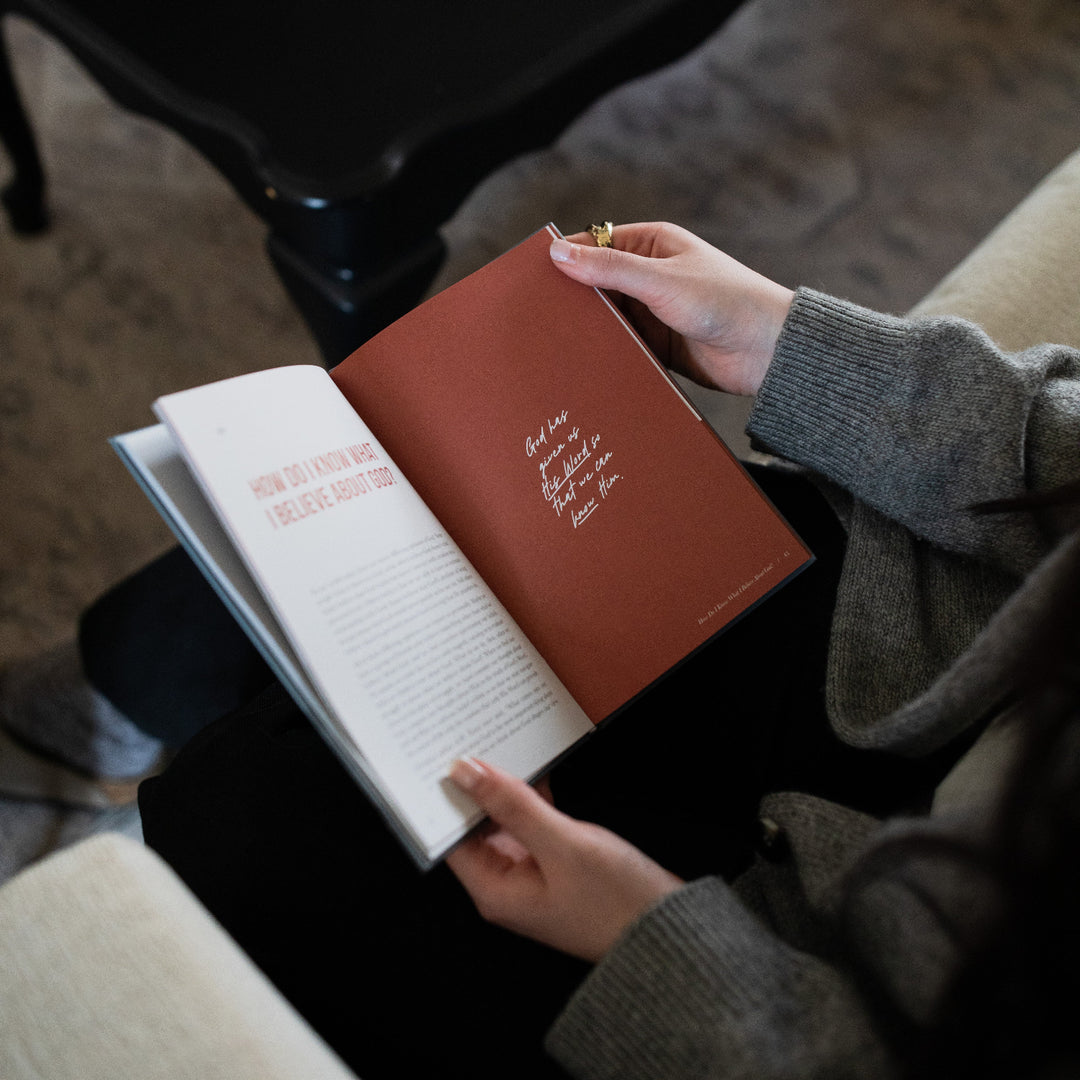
(602,233)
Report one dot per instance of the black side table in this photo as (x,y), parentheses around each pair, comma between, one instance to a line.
(354,129)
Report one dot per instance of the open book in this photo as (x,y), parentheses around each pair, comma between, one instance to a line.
(485,532)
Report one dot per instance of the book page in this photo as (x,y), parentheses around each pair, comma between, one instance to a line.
(402,639)
(607,516)
(154,458)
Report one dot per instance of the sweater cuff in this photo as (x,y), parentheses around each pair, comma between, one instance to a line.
(833,366)
(661,997)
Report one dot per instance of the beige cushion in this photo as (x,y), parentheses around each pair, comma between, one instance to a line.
(109,967)
(1021,283)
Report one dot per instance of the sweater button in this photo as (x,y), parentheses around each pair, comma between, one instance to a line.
(772,839)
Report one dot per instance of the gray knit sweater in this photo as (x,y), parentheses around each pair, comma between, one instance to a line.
(907,423)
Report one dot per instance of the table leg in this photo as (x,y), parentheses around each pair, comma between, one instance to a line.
(24,196)
(344,306)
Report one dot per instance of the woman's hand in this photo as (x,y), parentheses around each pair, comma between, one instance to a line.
(702,313)
(545,875)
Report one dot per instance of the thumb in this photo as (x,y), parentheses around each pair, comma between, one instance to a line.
(512,804)
(609,268)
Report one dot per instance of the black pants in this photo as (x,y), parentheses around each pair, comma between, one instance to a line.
(393,967)
(165,651)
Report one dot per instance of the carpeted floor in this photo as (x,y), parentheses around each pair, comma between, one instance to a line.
(860,146)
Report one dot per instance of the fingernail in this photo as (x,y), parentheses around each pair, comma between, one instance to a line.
(562,250)
(466,773)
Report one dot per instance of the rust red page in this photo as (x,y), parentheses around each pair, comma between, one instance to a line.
(610,520)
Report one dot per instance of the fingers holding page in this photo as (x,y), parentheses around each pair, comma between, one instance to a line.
(702,312)
(540,873)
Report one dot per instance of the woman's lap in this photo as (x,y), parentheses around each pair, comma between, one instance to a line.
(391,965)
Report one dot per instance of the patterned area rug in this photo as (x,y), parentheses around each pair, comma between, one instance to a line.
(859,146)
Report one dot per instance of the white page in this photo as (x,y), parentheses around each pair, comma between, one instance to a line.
(155,460)
(408,648)
(154,457)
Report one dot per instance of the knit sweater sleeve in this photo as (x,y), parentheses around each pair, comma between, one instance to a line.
(699,987)
(920,419)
